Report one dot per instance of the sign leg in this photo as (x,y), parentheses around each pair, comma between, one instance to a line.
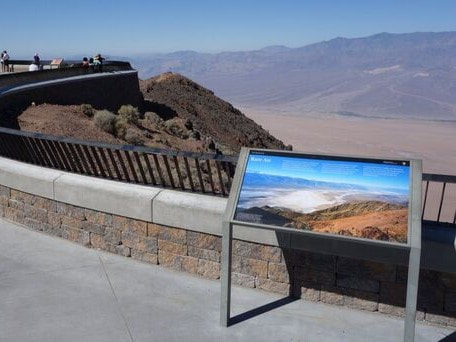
(225,293)
(412,294)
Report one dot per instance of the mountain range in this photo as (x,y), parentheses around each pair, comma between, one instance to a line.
(386,75)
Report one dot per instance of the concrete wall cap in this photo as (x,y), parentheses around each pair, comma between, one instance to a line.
(130,200)
(31,179)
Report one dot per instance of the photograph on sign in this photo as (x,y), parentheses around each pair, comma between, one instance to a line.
(360,198)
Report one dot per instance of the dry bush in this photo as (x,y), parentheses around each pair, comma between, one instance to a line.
(87,110)
(105,120)
(133,137)
(129,113)
(120,127)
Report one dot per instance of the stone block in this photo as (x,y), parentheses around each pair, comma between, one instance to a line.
(308,260)
(150,258)
(313,276)
(393,293)
(16,204)
(310,293)
(71,222)
(22,197)
(278,272)
(256,251)
(70,211)
(33,224)
(2,211)
(448,280)
(153,229)
(243,279)
(272,286)
(35,213)
(76,235)
(331,295)
(172,234)
(123,250)
(120,222)
(4,200)
(46,204)
(93,227)
(98,241)
(139,243)
(208,269)
(54,219)
(172,247)
(441,319)
(98,217)
(391,309)
(14,215)
(113,235)
(258,268)
(170,260)
(357,283)
(366,269)
(204,254)
(189,264)
(361,300)
(204,241)
(138,227)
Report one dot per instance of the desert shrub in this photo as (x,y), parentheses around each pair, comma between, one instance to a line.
(129,113)
(105,120)
(153,117)
(132,137)
(87,110)
(120,127)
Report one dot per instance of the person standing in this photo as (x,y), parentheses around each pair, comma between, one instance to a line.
(36,60)
(1,60)
(5,60)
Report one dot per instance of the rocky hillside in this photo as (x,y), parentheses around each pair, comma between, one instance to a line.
(176,114)
(175,97)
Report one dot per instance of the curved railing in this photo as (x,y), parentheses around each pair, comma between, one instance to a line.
(186,171)
(14,79)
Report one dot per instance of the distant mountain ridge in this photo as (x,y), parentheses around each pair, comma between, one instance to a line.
(386,75)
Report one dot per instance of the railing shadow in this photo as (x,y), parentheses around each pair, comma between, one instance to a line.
(261,310)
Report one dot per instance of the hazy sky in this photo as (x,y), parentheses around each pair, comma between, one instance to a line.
(122,28)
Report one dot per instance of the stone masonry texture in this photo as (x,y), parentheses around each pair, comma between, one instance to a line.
(330,279)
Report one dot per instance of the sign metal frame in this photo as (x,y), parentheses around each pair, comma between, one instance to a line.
(407,254)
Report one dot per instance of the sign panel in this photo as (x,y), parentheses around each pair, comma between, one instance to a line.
(350,197)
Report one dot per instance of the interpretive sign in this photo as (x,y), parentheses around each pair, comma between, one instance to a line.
(356,207)
(354,197)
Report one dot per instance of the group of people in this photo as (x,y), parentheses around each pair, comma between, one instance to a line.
(96,62)
(5,61)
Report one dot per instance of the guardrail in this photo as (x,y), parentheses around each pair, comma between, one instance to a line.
(66,63)
(186,171)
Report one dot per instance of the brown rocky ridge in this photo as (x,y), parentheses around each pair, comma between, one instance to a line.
(176,114)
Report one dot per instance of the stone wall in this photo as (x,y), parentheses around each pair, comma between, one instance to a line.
(330,279)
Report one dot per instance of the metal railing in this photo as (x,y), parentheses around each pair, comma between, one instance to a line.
(186,171)
(439,198)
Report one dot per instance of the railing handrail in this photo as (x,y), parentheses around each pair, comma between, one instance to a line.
(66,62)
(142,149)
(431,177)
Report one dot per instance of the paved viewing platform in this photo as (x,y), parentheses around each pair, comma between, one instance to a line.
(54,290)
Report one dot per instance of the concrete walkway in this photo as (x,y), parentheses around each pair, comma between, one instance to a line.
(54,290)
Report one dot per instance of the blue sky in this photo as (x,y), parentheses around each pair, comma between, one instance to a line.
(123,28)
(359,173)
